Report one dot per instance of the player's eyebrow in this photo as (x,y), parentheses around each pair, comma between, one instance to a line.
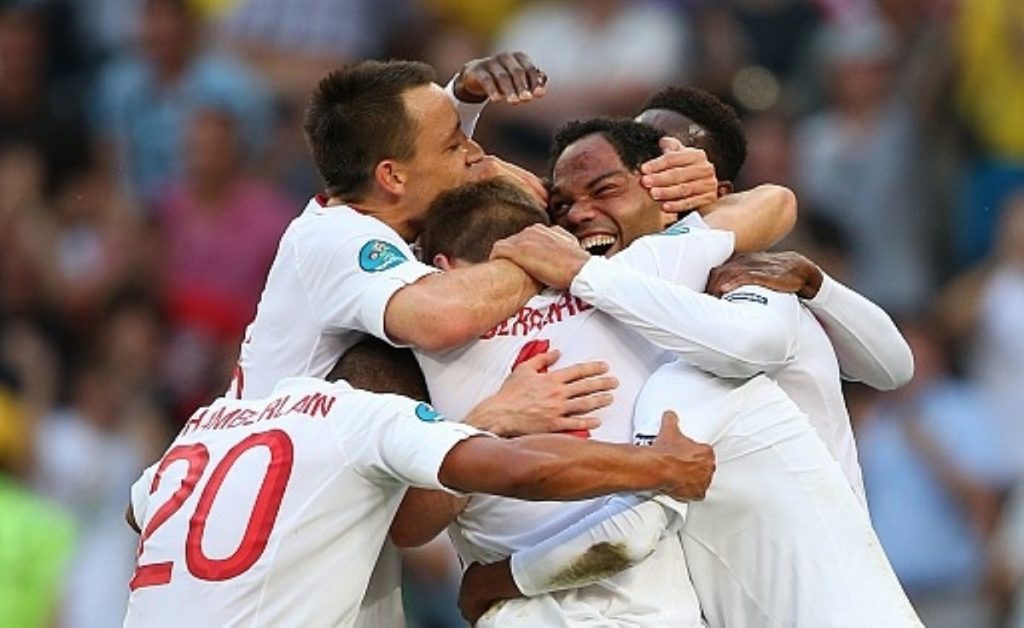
(593,183)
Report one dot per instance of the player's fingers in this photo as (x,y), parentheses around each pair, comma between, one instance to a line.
(669,143)
(504,81)
(591,385)
(575,424)
(579,371)
(587,404)
(517,73)
(682,157)
(535,79)
(694,202)
(489,84)
(538,363)
(669,423)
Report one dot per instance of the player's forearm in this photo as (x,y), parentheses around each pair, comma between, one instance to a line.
(869,346)
(553,467)
(445,310)
(728,338)
(423,515)
(759,217)
(612,539)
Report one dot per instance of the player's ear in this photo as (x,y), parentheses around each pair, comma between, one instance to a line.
(390,176)
(441,261)
(725,188)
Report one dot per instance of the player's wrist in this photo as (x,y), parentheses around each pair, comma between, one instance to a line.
(813,278)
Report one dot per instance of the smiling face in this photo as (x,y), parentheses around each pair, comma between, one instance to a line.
(598,199)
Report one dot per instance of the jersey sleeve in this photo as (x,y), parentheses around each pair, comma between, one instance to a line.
(401,441)
(684,253)
(139,495)
(350,284)
(749,331)
(629,525)
(868,345)
(469,113)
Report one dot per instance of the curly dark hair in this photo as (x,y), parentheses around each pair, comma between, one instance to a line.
(635,143)
(726,144)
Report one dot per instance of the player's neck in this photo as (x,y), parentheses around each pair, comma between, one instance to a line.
(391,214)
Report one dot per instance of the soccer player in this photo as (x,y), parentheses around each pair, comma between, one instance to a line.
(272,511)
(386,140)
(837,326)
(777,489)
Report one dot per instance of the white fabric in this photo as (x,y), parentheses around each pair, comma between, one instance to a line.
(869,346)
(318,300)
(750,331)
(491,528)
(351,456)
(780,539)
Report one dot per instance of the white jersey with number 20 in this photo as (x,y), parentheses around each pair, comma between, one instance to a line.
(272,512)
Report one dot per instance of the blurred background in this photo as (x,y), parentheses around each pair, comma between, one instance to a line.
(151,156)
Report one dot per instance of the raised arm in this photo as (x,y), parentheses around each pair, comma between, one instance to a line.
(759,217)
(868,345)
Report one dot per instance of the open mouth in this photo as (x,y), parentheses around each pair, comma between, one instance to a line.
(598,244)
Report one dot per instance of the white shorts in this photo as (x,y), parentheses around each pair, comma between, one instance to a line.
(781,539)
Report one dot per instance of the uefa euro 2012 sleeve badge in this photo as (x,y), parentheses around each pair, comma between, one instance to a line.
(425,412)
(378,255)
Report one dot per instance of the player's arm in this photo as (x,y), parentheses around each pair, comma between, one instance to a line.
(754,332)
(129,518)
(758,218)
(618,536)
(867,342)
(565,468)
(423,515)
(442,311)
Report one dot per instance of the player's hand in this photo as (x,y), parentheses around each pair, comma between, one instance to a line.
(534,400)
(691,464)
(508,76)
(783,272)
(681,179)
(483,586)
(551,255)
(491,167)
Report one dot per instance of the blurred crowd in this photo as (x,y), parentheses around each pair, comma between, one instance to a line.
(151,156)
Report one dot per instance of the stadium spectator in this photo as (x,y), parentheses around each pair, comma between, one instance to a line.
(933,467)
(856,163)
(144,98)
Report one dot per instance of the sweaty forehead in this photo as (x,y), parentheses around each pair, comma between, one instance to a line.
(585,159)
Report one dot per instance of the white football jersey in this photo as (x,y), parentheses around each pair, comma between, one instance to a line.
(272,511)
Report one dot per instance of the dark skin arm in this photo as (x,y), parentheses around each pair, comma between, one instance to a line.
(783,272)
(556,467)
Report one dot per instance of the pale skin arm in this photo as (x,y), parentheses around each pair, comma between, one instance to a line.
(445,310)
(759,217)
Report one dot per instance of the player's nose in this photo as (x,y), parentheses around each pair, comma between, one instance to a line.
(580,213)
(474,152)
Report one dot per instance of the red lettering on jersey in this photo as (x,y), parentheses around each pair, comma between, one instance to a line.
(583,305)
(242,418)
(323,405)
(529,320)
(193,423)
(302,405)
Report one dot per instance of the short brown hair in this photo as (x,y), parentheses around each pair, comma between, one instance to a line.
(465,223)
(356,117)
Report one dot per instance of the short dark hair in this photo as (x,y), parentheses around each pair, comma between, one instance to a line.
(465,222)
(374,365)
(634,142)
(356,117)
(726,144)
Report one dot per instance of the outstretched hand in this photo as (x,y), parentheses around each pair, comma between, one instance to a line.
(508,76)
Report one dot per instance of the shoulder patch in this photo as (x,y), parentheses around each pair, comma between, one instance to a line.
(677,229)
(426,413)
(378,255)
(746,296)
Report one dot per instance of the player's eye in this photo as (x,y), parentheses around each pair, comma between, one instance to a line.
(605,190)
(560,207)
